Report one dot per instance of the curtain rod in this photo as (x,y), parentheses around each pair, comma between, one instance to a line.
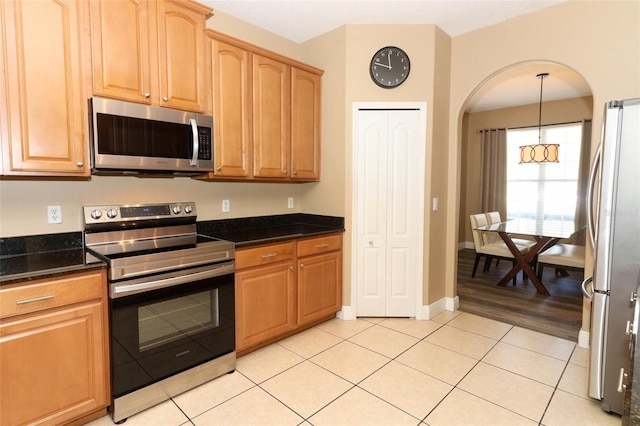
(491,130)
(544,125)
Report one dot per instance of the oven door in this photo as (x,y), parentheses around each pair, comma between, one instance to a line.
(166,324)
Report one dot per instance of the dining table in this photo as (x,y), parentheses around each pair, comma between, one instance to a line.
(545,231)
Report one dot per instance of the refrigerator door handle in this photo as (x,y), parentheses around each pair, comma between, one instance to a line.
(588,294)
(591,224)
(599,311)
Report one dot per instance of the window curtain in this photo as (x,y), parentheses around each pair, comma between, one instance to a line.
(493,179)
(583,182)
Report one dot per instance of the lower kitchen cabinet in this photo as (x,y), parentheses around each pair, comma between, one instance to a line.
(54,350)
(284,288)
(265,304)
(319,288)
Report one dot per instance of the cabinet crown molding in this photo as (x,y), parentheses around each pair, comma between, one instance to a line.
(262,51)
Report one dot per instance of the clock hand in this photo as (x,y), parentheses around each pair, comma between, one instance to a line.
(389,58)
(383,65)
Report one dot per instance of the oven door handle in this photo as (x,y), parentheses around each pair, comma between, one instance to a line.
(125,289)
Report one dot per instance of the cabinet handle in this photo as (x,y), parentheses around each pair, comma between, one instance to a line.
(165,99)
(322,245)
(265,256)
(147,95)
(219,169)
(79,164)
(35,299)
(284,171)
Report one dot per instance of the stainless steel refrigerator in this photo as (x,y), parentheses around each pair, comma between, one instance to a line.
(614,224)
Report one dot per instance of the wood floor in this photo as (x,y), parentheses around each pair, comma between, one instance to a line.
(559,314)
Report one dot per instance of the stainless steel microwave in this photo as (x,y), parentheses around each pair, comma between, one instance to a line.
(133,138)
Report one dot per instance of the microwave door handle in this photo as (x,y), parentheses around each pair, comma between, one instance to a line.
(196,144)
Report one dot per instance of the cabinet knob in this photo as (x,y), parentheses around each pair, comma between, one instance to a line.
(284,171)
(295,172)
(219,169)
(79,164)
(291,268)
(147,95)
(165,99)
(302,266)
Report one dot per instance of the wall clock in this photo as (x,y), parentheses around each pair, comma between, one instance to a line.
(389,67)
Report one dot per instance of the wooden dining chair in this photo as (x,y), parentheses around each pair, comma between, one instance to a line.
(484,247)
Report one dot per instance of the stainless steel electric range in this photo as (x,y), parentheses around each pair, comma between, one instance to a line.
(172,309)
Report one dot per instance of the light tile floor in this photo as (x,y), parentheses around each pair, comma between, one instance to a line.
(457,369)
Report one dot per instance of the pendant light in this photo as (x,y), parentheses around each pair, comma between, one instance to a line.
(539,153)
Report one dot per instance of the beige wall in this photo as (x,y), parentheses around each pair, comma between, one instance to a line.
(567,111)
(600,40)
(345,54)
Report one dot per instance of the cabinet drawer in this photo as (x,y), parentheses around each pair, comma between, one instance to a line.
(319,245)
(263,255)
(26,298)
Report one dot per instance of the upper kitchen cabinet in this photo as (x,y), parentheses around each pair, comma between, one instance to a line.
(150,52)
(267,113)
(42,94)
(305,124)
(230,68)
(271,118)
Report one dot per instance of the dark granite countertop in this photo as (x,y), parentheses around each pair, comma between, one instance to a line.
(271,229)
(40,256)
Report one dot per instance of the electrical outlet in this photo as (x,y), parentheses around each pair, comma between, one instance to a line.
(54,214)
(226,206)
(290,202)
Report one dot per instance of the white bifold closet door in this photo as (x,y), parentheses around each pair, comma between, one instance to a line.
(389,194)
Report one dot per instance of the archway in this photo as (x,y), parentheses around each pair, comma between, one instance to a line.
(509,99)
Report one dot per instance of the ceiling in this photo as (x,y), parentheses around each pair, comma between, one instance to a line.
(301,20)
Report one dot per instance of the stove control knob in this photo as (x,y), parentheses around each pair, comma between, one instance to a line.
(188,209)
(96,214)
(176,210)
(111,213)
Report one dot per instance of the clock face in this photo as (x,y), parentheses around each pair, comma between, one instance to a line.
(389,67)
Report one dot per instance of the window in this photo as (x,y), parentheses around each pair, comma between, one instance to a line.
(544,190)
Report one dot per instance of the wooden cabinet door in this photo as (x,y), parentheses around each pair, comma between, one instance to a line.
(305,124)
(271,118)
(319,286)
(120,39)
(230,71)
(181,54)
(53,365)
(265,303)
(42,91)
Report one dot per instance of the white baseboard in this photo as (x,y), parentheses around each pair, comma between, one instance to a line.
(347,313)
(426,313)
(583,339)
(436,308)
(466,245)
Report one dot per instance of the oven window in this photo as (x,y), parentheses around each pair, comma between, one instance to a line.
(169,320)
